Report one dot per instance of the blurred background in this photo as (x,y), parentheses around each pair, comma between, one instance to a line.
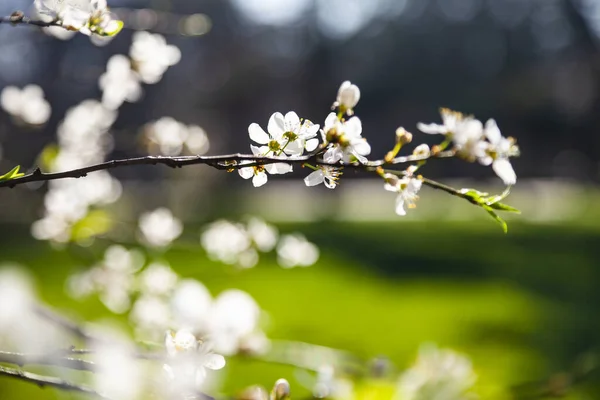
(522,306)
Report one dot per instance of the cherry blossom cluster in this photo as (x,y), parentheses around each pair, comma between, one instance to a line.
(27,106)
(157,300)
(339,143)
(90,17)
(149,58)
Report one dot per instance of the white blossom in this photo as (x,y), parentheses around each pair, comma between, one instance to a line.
(262,234)
(233,317)
(119,83)
(190,304)
(437,374)
(189,358)
(157,279)
(117,374)
(224,241)
(159,228)
(112,278)
(348,95)
(295,251)
(170,137)
(465,131)
(152,56)
(325,174)
(150,315)
(407,189)
(345,139)
(258,173)
(27,104)
(497,153)
(287,135)
(86,16)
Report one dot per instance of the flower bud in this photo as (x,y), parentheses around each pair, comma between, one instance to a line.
(403,136)
(348,95)
(422,150)
(281,390)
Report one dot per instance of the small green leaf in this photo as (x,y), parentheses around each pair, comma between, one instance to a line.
(473,194)
(504,207)
(12,174)
(496,217)
(114,27)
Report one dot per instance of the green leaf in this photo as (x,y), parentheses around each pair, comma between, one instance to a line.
(48,156)
(496,217)
(12,174)
(504,207)
(114,27)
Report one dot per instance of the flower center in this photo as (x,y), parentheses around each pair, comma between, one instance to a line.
(290,136)
(274,145)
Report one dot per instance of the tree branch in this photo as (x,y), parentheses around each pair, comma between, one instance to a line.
(43,381)
(18,18)
(57,360)
(223,162)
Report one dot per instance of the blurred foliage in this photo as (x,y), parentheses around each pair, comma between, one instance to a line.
(523,306)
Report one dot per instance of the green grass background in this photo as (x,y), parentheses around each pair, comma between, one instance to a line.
(523,306)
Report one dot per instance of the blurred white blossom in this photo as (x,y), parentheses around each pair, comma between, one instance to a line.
(295,251)
(189,358)
(117,374)
(190,305)
(119,83)
(27,104)
(159,228)
(157,279)
(233,317)
(262,234)
(152,56)
(21,329)
(170,137)
(224,241)
(150,315)
(112,279)
(438,374)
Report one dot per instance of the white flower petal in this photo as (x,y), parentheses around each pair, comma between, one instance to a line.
(246,173)
(312,144)
(432,129)
(492,132)
(505,171)
(400,205)
(314,178)
(353,128)
(276,126)
(259,179)
(278,168)
(214,361)
(257,134)
(333,155)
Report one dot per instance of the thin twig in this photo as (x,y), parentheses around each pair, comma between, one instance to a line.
(43,381)
(18,18)
(223,162)
(56,360)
